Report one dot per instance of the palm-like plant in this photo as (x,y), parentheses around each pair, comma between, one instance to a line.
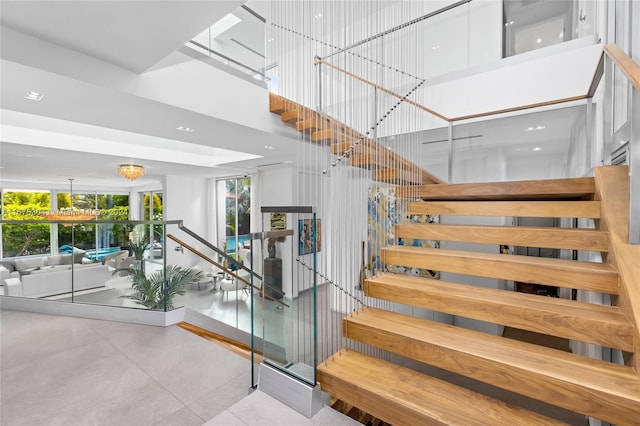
(149,292)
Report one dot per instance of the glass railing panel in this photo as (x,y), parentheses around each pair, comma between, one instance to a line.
(286,312)
(538,145)
(100,262)
(237,40)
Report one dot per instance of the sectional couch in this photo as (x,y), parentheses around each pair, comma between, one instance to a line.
(51,275)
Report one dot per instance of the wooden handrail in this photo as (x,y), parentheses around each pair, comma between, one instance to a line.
(628,67)
(612,186)
(223,268)
(384,90)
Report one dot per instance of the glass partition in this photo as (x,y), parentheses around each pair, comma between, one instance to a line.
(125,270)
(237,40)
(285,317)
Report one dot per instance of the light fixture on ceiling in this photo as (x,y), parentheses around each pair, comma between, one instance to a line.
(131,171)
(539,40)
(533,129)
(269,147)
(34,96)
(185,129)
(537,149)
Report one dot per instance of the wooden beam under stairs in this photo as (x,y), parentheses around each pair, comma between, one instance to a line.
(524,236)
(590,276)
(578,188)
(599,324)
(555,209)
(401,396)
(595,388)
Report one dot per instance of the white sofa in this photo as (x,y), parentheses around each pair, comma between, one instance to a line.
(50,275)
(52,280)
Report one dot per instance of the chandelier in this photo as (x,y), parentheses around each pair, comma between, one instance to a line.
(130,171)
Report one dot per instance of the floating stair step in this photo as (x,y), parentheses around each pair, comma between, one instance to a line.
(560,209)
(591,276)
(603,325)
(277,104)
(370,161)
(579,188)
(592,387)
(310,125)
(339,148)
(291,116)
(326,135)
(398,176)
(525,236)
(401,396)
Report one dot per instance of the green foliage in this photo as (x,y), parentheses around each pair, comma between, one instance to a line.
(148,291)
(64,201)
(28,239)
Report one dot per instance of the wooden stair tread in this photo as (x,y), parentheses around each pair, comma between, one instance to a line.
(603,325)
(402,396)
(607,391)
(290,116)
(591,276)
(578,188)
(525,236)
(560,209)
(397,176)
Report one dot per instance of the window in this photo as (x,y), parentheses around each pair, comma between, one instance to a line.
(27,239)
(234,212)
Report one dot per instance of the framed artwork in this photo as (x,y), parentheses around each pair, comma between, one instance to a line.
(305,232)
(278,221)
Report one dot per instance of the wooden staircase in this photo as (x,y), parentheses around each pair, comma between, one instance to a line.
(361,151)
(583,385)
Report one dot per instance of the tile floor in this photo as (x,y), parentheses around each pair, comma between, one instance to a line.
(57,370)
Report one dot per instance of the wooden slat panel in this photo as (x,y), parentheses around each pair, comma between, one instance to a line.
(613,190)
(526,236)
(598,324)
(559,272)
(401,396)
(579,188)
(578,209)
(596,388)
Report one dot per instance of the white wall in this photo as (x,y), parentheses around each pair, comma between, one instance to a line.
(186,198)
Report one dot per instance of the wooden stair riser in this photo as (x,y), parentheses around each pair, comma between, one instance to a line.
(558,238)
(579,188)
(557,272)
(606,391)
(551,209)
(290,117)
(598,324)
(402,396)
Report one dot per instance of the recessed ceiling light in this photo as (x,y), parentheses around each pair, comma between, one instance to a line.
(539,41)
(34,96)
(436,47)
(533,129)
(270,40)
(185,129)
(268,147)
(537,149)
(319,15)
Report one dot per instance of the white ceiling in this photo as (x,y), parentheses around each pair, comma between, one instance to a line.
(131,34)
(107,127)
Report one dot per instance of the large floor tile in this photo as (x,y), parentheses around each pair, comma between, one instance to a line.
(94,384)
(182,417)
(53,334)
(215,402)
(192,368)
(270,412)
(226,419)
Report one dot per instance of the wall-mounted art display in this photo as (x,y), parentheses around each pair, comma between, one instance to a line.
(278,221)
(305,231)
